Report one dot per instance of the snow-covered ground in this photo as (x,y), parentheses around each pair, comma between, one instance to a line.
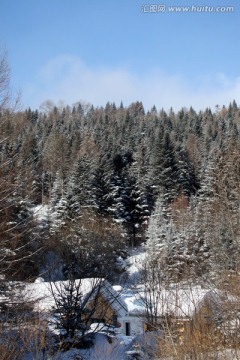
(135,261)
(134,264)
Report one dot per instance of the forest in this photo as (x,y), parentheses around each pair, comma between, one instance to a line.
(169,180)
(81,187)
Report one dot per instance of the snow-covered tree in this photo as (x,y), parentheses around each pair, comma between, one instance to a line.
(72,308)
(164,166)
(161,237)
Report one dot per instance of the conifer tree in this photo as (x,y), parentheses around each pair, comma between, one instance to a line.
(165,167)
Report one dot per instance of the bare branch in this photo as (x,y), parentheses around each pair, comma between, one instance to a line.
(5,93)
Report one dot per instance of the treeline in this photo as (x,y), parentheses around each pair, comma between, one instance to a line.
(101,171)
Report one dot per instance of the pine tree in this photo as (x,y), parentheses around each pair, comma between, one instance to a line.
(83,175)
(165,167)
(186,177)
(133,209)
(58,204)
(104,192)
(159,233)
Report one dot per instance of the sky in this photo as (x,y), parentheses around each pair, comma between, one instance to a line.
(100,51)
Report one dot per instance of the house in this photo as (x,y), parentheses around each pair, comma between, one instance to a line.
(136,310)
(113,304)
(131,312)
(166,308)
(103,303)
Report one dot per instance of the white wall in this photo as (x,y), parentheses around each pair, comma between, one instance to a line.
(136,325)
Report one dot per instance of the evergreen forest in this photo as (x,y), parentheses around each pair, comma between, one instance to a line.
(110,179)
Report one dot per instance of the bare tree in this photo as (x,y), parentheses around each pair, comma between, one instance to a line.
(8,102)
(152,280)
(17,224)
(90,246)
(4,81)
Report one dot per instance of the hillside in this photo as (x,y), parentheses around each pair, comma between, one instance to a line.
(84,188)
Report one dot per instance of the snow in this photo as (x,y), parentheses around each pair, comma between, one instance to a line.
(135,261)
(180,302)
(104,348)
(41,212)
(118,288)
(42,292)
(134,302)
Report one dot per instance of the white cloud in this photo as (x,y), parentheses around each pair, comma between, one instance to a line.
(67,78)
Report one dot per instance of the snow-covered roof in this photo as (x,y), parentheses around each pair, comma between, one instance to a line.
(134,303)
(43,292)
(180,302)
(183,302)
(114,299)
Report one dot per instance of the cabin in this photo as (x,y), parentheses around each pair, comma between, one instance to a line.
(105,304)
(127,311)
(114,310)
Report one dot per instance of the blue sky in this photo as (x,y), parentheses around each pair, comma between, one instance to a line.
(98,51)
